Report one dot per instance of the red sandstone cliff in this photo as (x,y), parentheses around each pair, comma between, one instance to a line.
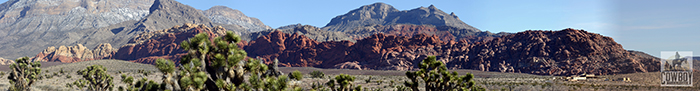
(148,47)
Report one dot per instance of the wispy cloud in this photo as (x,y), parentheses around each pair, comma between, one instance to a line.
(655,27)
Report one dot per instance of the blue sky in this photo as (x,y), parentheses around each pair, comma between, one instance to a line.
(650,26)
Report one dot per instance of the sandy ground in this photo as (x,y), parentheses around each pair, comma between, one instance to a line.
(385,80)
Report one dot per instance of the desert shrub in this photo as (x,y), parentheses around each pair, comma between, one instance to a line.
(392,82)
(95,78)
(2,73)
(62,71)
(435,76)
(24,74)
(358,88)
(297,75)
(368,79)
(316,74)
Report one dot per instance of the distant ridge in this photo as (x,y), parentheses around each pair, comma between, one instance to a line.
(384,14)
(28,26)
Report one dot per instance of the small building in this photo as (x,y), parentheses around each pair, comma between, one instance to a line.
(590,75)
(582,77)
(578,79)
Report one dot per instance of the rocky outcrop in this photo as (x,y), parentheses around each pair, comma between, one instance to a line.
(6,61)
(147,47)
(369,53)
(225,15)
(564,52)
(384,14)
(77,53)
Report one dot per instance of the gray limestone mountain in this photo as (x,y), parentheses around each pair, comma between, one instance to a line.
(384,14)
(27,27)
(291,26)
(225,15)
(163,15)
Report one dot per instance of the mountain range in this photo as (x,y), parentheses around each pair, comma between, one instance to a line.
(29,26)
(372,37)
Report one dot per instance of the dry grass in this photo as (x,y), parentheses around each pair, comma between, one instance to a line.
(58,83)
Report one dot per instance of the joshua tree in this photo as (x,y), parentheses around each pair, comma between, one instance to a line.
(436,78)
(95,77)
(345,82)
(24,74)
(220,65)
(167,67)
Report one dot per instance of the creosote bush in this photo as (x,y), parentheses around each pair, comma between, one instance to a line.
(297,75)
(316,74)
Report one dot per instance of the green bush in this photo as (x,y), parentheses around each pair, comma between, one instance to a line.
(297,75)
(316,74)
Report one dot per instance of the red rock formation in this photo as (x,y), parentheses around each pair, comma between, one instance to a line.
(563,52)
(148,47)
(299,51)
(74,53)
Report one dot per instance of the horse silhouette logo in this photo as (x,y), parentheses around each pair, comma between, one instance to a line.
(677,63)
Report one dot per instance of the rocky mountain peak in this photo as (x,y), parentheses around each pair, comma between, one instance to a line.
(160,4)
(377,7)
(225,9)
(432,7)
(226,15)
(383,14)
(167,13)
